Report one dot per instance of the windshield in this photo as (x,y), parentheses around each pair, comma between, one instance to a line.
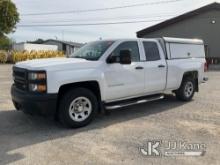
(92,51)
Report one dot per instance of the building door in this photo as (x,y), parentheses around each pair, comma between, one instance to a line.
(64,48)
(206,51)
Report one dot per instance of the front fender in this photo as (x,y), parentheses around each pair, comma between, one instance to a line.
(60,78)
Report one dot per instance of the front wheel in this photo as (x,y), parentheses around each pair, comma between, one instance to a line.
(186,90)
(77,108)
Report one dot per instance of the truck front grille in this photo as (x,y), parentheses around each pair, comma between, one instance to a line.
(20,78)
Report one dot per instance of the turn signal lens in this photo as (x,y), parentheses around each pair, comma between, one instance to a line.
(41,88)
(37,76)
(37,88)
(41,76)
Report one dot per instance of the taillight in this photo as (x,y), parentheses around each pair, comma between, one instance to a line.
(205,67)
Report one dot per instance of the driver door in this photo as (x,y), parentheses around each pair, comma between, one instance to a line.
(124,80)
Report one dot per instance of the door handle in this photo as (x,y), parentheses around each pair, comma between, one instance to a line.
(161,66)
(139,67)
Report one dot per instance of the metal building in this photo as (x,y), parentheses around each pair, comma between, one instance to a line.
(67,47)
(202,23)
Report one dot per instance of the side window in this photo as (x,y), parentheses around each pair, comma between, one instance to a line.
(130,45)
(151,51)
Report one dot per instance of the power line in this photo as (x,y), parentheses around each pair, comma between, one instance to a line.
(102,9)
(102,23)
(103,19)
(45,24)
(88,24)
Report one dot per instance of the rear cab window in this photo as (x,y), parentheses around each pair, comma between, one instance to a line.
(151,51)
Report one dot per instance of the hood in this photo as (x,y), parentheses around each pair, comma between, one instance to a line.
(57,64)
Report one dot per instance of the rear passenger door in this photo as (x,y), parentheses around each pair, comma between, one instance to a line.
(155,67)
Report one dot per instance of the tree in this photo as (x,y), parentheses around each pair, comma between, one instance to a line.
(5,43)
(8,16)
(38,41)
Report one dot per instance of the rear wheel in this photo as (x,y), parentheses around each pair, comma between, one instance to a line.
(77,108)
(186,90)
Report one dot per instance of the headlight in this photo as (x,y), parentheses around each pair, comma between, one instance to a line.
(37,76)
(37,81)
(38,88)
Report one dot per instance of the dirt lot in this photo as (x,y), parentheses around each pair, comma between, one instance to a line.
(112,139)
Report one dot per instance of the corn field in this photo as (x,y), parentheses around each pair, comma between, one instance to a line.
(17,56)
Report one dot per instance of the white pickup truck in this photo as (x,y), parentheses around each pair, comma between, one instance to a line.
(108,74)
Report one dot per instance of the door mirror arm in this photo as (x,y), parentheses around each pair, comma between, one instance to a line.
(123,58)
(111,59)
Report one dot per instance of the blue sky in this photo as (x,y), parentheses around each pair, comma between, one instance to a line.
(153,13)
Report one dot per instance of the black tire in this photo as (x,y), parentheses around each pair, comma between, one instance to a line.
(181,93)
(67,99)
(15,105)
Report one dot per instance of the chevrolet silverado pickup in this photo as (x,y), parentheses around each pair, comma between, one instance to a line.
(108,74)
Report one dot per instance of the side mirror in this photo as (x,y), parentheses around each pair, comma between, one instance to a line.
(125,57)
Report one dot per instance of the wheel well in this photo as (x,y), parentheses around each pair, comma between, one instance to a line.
(194,75)
(91,85)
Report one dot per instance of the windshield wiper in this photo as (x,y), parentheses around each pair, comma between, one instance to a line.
(89,59)
(77,57)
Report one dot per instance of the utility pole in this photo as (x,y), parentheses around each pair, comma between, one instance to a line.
(63,35)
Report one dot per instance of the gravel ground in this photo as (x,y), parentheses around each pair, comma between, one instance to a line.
(115,138)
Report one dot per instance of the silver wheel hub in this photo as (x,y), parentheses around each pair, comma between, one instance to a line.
(189,89)
(80,109)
